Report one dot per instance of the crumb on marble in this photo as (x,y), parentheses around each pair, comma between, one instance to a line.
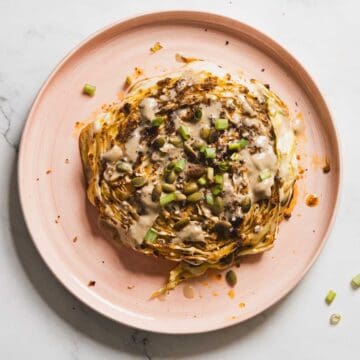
(156,47)
(231,294)
(91,283)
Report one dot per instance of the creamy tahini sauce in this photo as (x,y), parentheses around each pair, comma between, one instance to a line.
(228,189)
(139,228)
(245,105)
(132,146)
(148,108)
(210,112)
(256,163)
(114,154)
(193,232)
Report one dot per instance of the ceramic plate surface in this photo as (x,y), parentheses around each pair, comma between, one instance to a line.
(64,226)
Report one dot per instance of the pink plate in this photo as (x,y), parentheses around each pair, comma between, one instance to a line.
(63,224)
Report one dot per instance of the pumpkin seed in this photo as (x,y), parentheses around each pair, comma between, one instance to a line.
(181,224)
(156,193)
(138,181)
(204,133)
(189,151)
(190,188)
(168,188)
(218,206)
(176,141)
(245,204)
(195,197)
(171,177)
(123,166)
(231,278)
(159,142)
(180,196)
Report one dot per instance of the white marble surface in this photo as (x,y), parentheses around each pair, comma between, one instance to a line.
(41,320)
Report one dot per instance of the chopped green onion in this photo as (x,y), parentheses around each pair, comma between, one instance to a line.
(210,153)
(167,199)
(209,199)
(180,166)
(184,132)
(223,166)
(210,174)
(221,124)
(265,174)
(217,189)
(219,179)
(202,181)
(330,296)
(89,89)
(157,121)
(151,235)
(238,144)
(235,156)
(355,281)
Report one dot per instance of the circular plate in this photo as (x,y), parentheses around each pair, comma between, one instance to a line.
(118,283)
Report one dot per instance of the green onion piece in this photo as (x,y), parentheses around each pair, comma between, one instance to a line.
(157,121)
(217,189)
(184,132)
(89,89)
(167,199)
(210,174)
(223,166)
(265,174)
(330,296)
(202,181)
(151,235)
(221,124)
(238,144)
(355,281)
(180,166)
(210,153)
(219,179)
(209,199)
(235,156)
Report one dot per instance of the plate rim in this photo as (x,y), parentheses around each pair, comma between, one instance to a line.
(182,15)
